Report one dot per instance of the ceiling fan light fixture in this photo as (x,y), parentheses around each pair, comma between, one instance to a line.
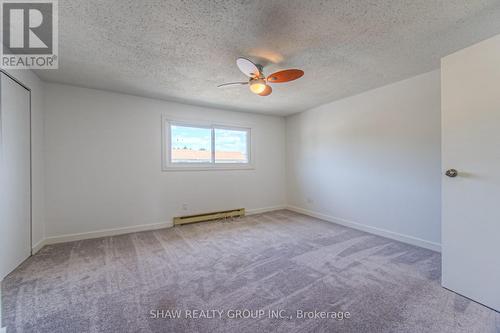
(266,91)
(258,86)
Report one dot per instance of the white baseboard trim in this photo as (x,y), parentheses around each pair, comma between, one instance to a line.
(372,230)
(37,247)
(264,210)
(126,230)
(99,233)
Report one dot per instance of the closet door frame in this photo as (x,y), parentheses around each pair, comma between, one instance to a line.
(10,76)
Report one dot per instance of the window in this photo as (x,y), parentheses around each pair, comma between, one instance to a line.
(231,145)
(190,146)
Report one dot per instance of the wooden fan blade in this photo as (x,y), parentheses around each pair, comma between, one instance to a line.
(232,84)
(285,76)
(247,67)
(266,91)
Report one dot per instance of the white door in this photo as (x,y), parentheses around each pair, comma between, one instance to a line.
(471,145)
(15,173)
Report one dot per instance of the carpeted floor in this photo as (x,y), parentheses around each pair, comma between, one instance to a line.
(279,261)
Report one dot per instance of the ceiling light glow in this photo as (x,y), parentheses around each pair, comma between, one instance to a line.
(257,86)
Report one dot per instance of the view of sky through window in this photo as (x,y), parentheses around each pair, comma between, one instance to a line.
(191,144)
(230,146)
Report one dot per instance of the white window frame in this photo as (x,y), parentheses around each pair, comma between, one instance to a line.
(167,164)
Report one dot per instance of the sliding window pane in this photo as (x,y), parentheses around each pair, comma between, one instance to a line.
(191,144)
(231,146)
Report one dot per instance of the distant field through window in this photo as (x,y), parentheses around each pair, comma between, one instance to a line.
(193,146)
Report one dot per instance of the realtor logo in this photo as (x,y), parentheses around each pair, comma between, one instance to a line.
(29,34)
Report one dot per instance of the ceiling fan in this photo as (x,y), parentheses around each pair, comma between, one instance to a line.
(258,83)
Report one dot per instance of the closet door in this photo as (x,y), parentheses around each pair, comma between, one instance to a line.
(15,175)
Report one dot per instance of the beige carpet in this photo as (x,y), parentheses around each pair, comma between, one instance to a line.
(279,261)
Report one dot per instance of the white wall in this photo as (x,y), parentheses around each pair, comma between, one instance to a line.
(29,79)
(103,167)
(372,161)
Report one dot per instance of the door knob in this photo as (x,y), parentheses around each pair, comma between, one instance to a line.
(451,173)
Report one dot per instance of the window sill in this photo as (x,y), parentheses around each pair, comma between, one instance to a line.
(208,168)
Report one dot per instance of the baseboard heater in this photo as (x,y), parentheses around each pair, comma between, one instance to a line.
(209,216)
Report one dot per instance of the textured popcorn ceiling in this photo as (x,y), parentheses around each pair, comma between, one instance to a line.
(181,50)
